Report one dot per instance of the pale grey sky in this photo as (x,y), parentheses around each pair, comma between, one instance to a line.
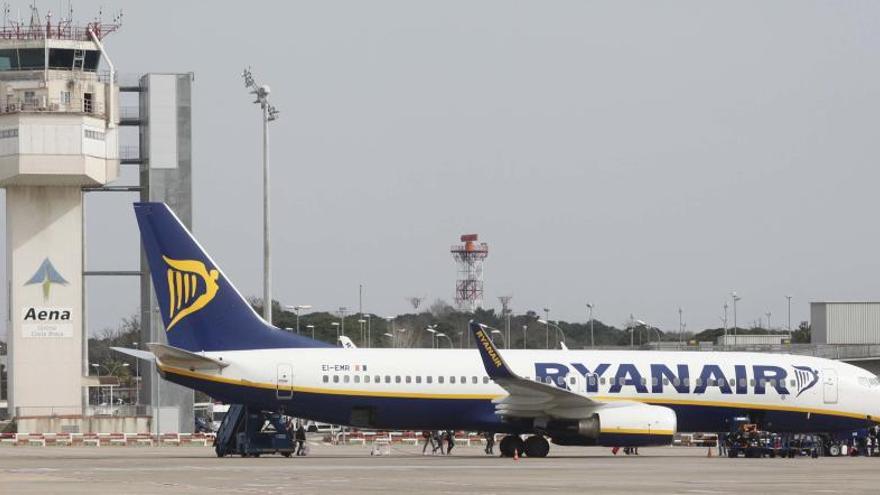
(639,155)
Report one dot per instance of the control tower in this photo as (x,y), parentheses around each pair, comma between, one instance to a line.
(58,135)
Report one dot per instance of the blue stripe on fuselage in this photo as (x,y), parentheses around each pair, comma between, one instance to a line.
(479,414)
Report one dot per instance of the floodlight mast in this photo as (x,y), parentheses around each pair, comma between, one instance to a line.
(270,113)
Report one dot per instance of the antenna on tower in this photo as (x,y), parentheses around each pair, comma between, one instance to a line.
(469,287)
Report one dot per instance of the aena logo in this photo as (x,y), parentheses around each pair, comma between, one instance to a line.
(46,275)
(191,286)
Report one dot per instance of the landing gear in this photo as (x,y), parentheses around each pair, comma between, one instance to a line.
(511,444)
(537,446)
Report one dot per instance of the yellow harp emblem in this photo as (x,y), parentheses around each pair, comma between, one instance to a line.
(191,286)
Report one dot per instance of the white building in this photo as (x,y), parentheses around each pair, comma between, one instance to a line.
(851,322)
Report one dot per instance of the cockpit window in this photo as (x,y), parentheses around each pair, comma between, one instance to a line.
(869,381)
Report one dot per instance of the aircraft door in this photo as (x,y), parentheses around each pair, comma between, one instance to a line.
(829,386)
(284,382)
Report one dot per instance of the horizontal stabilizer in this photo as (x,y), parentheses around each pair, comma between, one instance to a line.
(144,355)
(180,358)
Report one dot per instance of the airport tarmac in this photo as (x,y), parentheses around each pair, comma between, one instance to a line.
(351,469)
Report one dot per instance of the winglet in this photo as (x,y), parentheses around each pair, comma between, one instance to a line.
(493,362)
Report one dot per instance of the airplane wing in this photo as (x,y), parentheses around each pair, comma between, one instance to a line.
(346,342)
(527,398)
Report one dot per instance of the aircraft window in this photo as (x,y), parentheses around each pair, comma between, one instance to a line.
(561,380)
(698,382)
(357,378)
(366,378)
(602,381)
(592,380)
(676,382)
(742,382)
(711,382)
(752,382)
(474,380)
(644,381)
(733,382)
(571,380)
(666,381)
(397,379)
(622,381)
(451,379)
(408,379)
(485,379)
(326,378)
(387,378)
(335,378)
(792,383)
(418,379)
(686,382)
(654,381)
(377,379)
(439,379)
(429,379)
(463,380)
(346,378)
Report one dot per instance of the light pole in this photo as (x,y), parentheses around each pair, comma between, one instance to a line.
(451,345)
(525,339)
(363,323)
(559,333)
(137,379)
(547,326)
(632,326)
(680,326)
(789,318)
(433,332)
(399,330)
(390,336)
(342,310)
(369,329)
(592,335)
(270,113)
(736,299)
(725,323)
(768,320)
(312,328)
(336,324)
(500,334)
(296,309)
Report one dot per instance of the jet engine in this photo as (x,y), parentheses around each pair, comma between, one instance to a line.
(616,425)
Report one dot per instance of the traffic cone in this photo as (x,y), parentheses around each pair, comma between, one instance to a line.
(515,454)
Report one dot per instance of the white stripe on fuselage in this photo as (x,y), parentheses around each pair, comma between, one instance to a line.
(312,365)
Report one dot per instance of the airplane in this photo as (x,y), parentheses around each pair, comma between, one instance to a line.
(218,344)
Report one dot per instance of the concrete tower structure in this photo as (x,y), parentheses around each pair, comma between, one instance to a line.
(58,135)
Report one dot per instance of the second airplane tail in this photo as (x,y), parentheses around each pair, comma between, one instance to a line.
(200,307)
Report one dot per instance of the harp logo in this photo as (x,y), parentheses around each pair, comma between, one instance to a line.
(806,378)
(191,286)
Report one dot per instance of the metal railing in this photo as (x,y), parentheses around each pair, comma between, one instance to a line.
(118,410)
(42,104)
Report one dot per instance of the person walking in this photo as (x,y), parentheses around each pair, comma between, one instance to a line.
(490,442)
(437,441)
(450,441)
(429,440)
(300,439)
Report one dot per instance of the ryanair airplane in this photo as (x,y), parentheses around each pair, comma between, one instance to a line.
(219,345)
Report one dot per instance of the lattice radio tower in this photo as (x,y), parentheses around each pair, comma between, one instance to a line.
(469,287)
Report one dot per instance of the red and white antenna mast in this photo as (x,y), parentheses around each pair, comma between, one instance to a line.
(469,255)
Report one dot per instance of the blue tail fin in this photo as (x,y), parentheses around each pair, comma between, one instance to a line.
(201,309)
